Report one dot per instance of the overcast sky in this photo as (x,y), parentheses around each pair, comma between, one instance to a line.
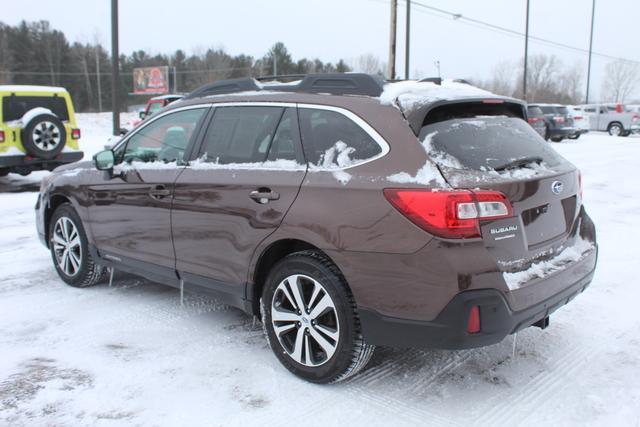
(333,29)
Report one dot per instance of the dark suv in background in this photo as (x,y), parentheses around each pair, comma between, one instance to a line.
(345,211)
(558,121)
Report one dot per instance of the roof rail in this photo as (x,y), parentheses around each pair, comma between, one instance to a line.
(333,83)
(224,86)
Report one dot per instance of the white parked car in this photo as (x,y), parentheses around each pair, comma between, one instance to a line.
(580,121)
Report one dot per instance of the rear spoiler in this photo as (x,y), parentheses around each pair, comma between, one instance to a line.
(514,107)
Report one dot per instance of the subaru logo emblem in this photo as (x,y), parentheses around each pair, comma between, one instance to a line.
(557,187)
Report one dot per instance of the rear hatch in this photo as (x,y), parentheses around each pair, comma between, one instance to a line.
(505,154)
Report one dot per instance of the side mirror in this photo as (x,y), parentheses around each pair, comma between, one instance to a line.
(104,160)
(142,114)
(123,131)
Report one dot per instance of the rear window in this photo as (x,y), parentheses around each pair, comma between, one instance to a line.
(548,110)
(562,110)
(14,107)
(487,143)
(534,112)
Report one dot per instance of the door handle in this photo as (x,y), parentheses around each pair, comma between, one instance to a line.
(159,192)
(264,195)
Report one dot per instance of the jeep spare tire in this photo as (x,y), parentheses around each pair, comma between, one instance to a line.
(44,136)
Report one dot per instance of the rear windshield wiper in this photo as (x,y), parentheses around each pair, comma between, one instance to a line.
(518,163)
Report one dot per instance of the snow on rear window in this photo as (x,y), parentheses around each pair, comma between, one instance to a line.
(499,145)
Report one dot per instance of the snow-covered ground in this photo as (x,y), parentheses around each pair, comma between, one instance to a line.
(130,354)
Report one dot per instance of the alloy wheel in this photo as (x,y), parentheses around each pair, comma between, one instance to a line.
(304,319)
(615,130)
(66,246)
(46,136)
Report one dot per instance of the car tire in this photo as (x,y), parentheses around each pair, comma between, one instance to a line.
(615,129)
(546,133)
(44,136)
(69,249)
(557,139)
(626,133)
(322,342)
(576,136)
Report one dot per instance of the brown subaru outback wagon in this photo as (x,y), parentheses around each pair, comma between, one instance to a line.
(345,211)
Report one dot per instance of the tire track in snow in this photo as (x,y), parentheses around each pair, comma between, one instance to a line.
(514,408)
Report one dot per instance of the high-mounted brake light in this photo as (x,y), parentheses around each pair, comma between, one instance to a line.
(493,101)
(1,136)
(450,214)
(75,133)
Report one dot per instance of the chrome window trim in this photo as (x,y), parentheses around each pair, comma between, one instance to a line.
(382,143)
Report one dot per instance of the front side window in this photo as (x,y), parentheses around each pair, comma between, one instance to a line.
(332,140)
(153,107)
(241,134)
(165,139)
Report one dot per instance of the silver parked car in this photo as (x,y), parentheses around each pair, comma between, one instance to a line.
(616,121)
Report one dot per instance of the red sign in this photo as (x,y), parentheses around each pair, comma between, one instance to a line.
(151,80)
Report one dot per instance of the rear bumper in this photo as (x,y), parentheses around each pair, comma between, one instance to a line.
(449,329)
(33,163)
(562,132)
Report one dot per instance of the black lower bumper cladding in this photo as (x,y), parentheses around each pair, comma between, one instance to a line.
(449,329)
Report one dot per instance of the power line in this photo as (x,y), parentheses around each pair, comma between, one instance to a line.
(507,31)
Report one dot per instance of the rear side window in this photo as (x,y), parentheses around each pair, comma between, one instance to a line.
(331,139)
(242,134)
(14,107)
(488,143)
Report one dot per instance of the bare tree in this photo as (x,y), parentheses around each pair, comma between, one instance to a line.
(368,63)
(621,80)
(543,78)
(502,79)
(571,84)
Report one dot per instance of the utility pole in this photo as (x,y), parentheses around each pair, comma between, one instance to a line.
(392,40)
(98,78)
(115,68)
(593,14)
(526,55)
(407,50)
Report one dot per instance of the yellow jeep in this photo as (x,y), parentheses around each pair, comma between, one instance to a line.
(38,129)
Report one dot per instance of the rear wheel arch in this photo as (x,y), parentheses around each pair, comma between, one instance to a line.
(268,258)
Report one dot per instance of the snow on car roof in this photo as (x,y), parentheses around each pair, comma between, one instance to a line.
(31,88)
(412,94)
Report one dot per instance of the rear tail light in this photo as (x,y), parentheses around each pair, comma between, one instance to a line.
(1,136)
(75,133)
(473,324)
(533,120)
(577,117)
(558,119)
(450,214)
(635,118)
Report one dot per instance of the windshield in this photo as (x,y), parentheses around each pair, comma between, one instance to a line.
(487,143)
